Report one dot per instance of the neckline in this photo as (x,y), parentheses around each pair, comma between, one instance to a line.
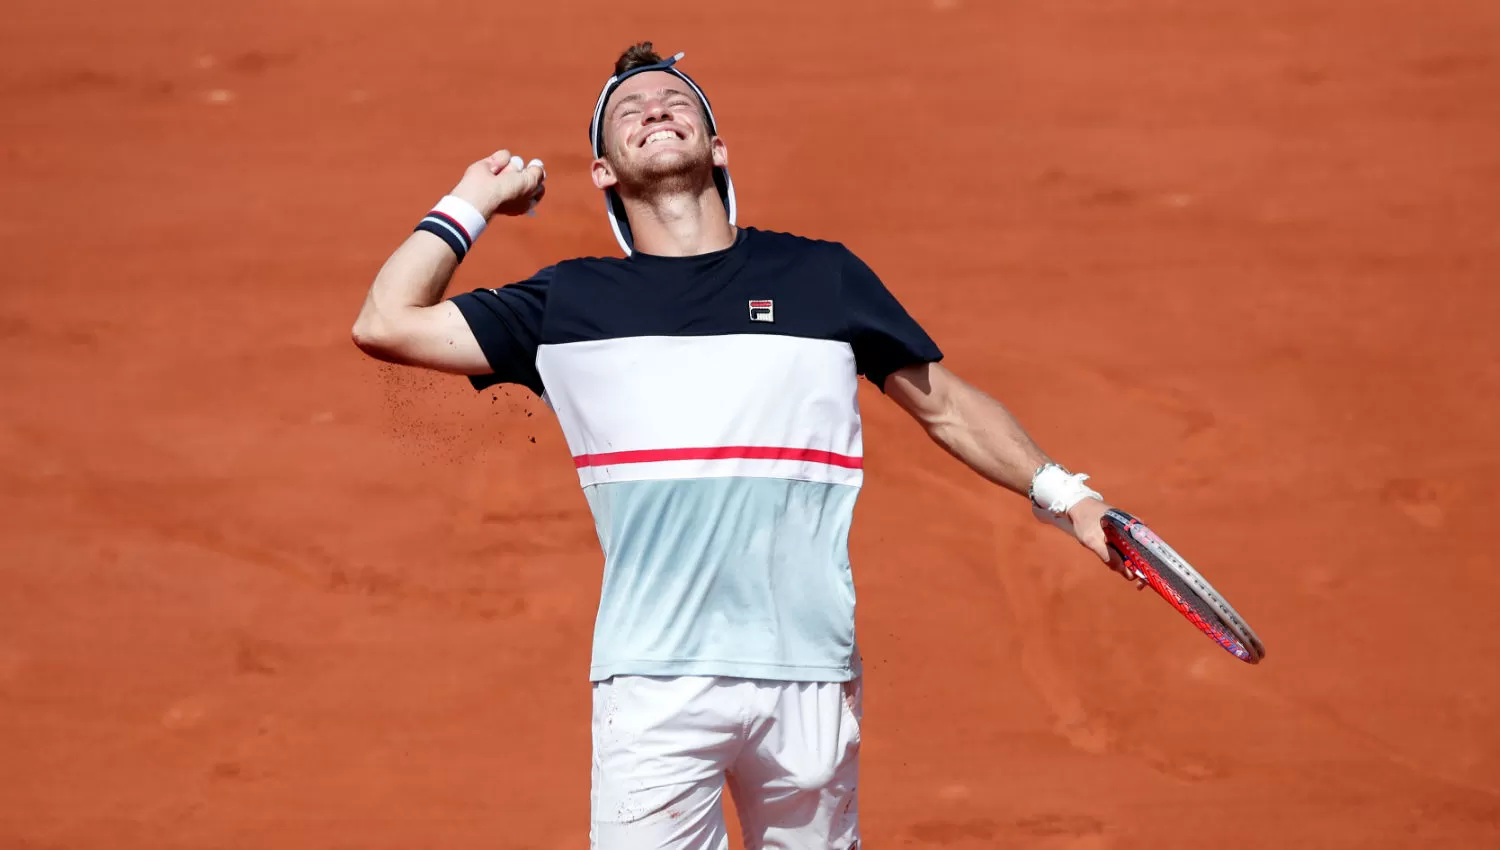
(741,234)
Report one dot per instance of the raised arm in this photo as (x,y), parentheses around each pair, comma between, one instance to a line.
(404,318)
(979,431)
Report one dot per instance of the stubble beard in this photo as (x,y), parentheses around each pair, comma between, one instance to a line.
(689,174)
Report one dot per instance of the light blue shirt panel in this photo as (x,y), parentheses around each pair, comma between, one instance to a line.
(733,576)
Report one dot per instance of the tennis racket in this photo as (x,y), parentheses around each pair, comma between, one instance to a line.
(1154,563)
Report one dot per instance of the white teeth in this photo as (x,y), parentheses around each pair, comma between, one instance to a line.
(660,135)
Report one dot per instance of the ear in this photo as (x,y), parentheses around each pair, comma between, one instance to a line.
(603,174)
(720,152)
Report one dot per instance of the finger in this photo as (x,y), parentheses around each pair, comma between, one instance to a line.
(532,177)
(535,173)
(497,160)
(1095,543)
(516,164)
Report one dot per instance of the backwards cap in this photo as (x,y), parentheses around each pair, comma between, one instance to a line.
(613,206)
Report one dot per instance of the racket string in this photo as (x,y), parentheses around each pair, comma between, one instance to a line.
(1172,587)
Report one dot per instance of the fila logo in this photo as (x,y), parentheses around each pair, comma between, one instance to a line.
(762,311)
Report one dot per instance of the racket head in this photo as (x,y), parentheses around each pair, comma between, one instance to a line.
(1170,575)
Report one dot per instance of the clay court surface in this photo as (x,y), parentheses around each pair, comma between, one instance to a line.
(1238,261)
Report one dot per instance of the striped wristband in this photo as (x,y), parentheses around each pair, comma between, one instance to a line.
(455,221)
(1055,490)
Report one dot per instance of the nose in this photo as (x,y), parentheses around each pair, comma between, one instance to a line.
(656,111)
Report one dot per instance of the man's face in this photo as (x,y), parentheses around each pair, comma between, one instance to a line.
(656,138)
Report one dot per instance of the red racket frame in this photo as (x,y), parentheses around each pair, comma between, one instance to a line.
(1128,536)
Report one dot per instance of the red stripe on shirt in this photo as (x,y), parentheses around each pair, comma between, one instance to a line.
(719,453)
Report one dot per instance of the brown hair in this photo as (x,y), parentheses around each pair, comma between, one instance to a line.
(636,56)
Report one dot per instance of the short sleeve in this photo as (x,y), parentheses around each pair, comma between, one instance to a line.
(884,336)
(507,322)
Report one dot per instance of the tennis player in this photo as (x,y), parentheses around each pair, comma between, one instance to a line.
(706,387)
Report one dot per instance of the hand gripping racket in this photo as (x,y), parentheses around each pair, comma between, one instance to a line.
(1154,563)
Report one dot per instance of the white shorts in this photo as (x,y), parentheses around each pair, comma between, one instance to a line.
(664,749)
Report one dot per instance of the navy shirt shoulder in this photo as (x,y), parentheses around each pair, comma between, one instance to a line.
(805,287)
(882,333)
(507,323)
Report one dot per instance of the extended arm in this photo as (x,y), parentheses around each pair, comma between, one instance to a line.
(404,319)
(970,425)
(979,431)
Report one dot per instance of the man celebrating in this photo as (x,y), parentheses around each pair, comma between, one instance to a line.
(707,388)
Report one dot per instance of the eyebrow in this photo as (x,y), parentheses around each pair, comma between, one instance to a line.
(630,98)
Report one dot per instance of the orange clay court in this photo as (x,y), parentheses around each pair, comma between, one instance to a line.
(1238,261)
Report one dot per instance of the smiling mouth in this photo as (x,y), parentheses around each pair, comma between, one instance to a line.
(661,136)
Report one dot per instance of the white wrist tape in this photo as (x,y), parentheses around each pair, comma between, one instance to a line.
(463,212)
(1056,490)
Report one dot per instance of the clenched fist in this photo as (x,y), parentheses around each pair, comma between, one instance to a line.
(500,184)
